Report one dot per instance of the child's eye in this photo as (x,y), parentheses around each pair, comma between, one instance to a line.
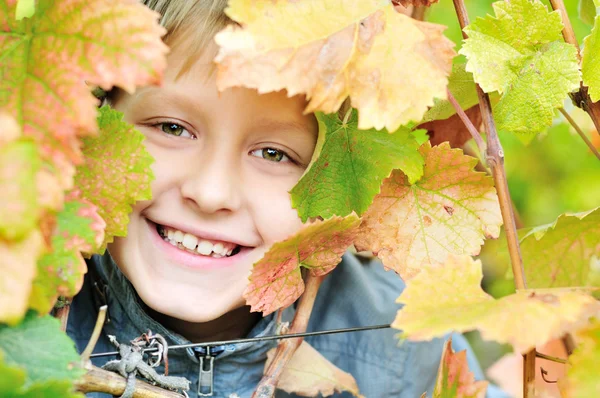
(175,129)
(272,154)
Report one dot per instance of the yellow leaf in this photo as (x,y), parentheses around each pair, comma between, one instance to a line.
(449,210)
(450,298)
(310,374)
(390,65)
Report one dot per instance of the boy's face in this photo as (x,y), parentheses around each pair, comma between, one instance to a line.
(224,164)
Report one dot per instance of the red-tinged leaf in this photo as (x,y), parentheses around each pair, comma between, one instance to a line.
(79,229)
(19,165)
(276,279)
(49,58)
(454,380)
(452,129)
(310,374)
(449,210)
(116,172)
(17,270)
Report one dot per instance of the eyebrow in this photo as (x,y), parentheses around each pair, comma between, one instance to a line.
(153,93)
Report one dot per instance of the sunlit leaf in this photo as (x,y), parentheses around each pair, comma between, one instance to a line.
(454,380)
(582,372)
(79,229)
(276,279)
(310,374)
(564,253)
(18,269)
(25,9)
(449,297)
(587,10)
(350,166)
(37,360)
(590,62)
(332,49)
(116,172)
(520,54)
(49,58)
(449,210)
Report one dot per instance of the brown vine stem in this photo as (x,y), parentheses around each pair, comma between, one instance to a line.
(465,119)
(62,314)
(100,380)
(418,13)
(85,355)
(495,160)
(580,98)
(550,358)
(286,348)
(580,132)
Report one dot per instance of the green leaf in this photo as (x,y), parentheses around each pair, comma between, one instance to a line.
(79,229)
(19,212)
(564,253)
(276,279)
(587,10)
(582,372)
(116,172)
(351,165)
(462,87)
(41,350)
(25,9)
(590,62)
(520,54)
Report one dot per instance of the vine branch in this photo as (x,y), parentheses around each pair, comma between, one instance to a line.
(287,348)
(580,132)
(85,355)
(495,160)
(550,358)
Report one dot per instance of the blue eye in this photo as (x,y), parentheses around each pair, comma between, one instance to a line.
(175,129)
(271,154)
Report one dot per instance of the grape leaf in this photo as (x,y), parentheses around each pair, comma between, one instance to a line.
(587,10)
(18,269)
(562,254)
(60,272)
(276,279)
(454,380)
(449,210)
(350,166)
(19,165)
(39,347)
(520,54)
(449,297)
(310,374)
(582,372)
(590,61)
(116,172)
(331,49)
(453,129)
(48,58)
(25,9)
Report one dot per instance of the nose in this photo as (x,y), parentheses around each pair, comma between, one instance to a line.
(212,183)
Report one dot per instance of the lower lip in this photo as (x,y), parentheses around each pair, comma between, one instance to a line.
(189,260)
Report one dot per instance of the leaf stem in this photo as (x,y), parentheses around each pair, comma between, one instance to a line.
(580,132)
(85,355)
(100,380)
(285,349)
(465,119)
(550,358)
(495,160)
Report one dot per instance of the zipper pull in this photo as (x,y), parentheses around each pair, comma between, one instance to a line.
(205,372)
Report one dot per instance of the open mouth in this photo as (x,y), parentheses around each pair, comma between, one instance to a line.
(198,246)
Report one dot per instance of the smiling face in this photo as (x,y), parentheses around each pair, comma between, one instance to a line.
(224,163)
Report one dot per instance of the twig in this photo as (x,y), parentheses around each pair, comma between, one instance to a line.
(99,380)
(62,314)
(285,349)
(580,132)
(550,358)
(495,160)
(465,119)
(85,355)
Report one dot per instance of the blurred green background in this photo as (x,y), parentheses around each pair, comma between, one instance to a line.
(554,174)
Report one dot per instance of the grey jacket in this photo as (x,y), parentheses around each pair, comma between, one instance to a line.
(355,294)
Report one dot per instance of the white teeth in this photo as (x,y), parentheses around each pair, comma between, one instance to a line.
(189,241)
(218,248)
(204,247)
(229,252)
(178,236)
(170,234)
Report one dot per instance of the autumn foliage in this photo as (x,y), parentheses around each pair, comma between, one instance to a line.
(70,171)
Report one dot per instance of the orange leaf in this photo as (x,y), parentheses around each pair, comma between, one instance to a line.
(454,380)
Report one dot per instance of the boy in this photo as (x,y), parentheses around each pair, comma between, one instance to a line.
(224,163)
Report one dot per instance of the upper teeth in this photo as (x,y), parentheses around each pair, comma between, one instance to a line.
(204,247)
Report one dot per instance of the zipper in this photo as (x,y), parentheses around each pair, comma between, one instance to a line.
(206,358)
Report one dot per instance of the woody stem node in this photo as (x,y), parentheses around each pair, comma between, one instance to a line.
(495,160)
(286,348)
